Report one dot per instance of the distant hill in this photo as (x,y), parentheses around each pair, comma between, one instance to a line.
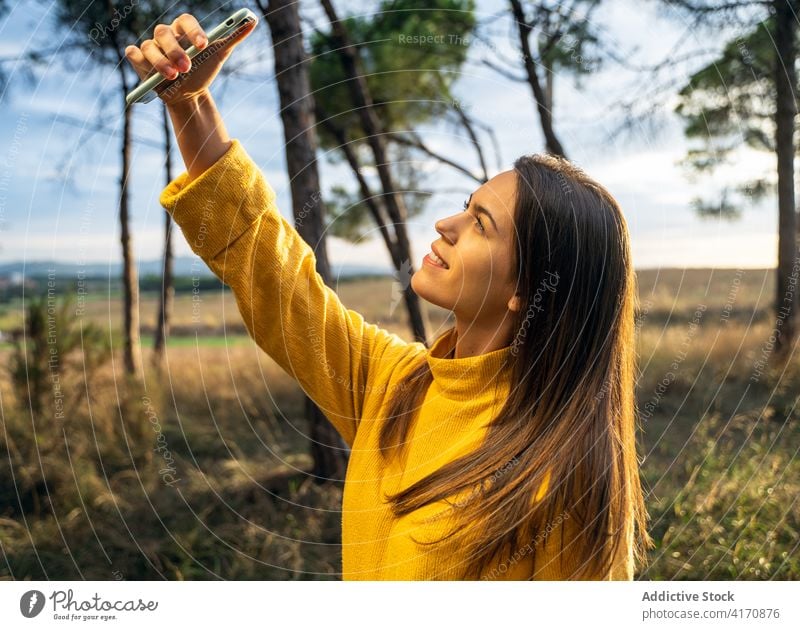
(183,266)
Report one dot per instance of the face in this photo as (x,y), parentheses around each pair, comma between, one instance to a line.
(478,283)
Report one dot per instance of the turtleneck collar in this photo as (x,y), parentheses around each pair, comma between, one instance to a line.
(468,377)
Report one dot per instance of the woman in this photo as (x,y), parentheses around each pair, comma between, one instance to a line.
(505,451)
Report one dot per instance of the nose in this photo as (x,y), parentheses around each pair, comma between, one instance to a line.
(448,228)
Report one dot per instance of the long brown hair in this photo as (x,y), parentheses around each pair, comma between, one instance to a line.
(570,416)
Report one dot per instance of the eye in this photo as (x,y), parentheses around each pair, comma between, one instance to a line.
(477,221)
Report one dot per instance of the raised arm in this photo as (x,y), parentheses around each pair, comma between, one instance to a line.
(199,129)
(228,215)
(229,218)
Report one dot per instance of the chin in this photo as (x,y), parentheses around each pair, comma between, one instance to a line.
(427,290)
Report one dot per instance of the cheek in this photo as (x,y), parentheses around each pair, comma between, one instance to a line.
(483,267)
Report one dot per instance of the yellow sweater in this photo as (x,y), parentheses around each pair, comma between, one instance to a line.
(349,368)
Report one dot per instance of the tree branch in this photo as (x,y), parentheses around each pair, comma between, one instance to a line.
(468,126)
(503,71)
(545,115)
(416,142)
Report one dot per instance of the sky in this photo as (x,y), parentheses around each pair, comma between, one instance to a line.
(59,174)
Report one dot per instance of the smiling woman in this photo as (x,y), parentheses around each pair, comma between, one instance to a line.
(507,449)
(549,280)
(476,282)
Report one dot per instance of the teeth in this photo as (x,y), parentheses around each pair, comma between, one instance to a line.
(437,259)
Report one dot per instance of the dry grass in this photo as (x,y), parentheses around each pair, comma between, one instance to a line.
(86,495)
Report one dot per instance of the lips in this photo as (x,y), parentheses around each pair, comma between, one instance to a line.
(431,260)
(439,256)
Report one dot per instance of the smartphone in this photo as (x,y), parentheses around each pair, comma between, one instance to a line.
(148,89)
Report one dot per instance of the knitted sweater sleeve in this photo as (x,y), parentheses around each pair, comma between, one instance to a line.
(230,219)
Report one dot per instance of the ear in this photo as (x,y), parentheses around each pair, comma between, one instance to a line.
(515,303)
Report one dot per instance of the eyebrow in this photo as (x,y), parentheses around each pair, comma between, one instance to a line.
(481,210)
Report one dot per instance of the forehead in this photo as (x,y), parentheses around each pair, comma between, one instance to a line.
(497,195)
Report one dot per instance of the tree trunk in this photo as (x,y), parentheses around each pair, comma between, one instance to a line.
(552,143)
(130,280)
(328,450)
(366,193)
(362,99)
(402,275)
(549,86)
(167,288)
(786,299)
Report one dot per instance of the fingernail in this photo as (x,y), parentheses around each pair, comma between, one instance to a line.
(200,41)
(183,64)
(171,72)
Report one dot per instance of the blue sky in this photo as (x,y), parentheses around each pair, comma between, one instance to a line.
(59,181)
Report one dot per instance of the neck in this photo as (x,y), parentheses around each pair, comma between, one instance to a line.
(475,338)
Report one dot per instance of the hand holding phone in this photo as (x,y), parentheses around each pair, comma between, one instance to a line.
(181,60)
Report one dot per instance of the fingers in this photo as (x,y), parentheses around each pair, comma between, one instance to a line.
(185,25)
(164,52)
(147,57)
(156,58)
(177,58)
(137,59)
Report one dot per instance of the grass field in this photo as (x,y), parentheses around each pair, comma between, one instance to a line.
(86,495)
